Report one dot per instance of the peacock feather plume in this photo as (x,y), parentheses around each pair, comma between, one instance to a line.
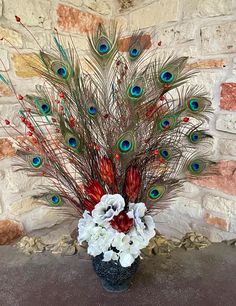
(131,126)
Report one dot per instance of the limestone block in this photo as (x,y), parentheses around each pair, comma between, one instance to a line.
(43,217)
(219,38)
(206,8)
(13,37)
(32,12)
(177,34)
(219,204)
(75,20)
(80,42)
(9,230)
(0,8)
(226,123)
(43,38)
(187,207)
(209,81)
(122,23)
(24,206)
(24,64)
(154,14)
(4,57)
(172,224)
(99,6)
(55,233)
(227,147)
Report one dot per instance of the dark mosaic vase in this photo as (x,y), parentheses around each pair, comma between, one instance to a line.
(114,277)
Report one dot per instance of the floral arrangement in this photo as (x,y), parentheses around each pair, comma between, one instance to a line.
(115,139)
(116,232)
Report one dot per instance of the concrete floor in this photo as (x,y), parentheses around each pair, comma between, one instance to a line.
(206,277)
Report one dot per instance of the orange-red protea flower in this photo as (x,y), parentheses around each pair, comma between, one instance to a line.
(94,191)
(122,223)
(106,170)
(132,183)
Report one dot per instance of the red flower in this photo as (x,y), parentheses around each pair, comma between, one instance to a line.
(122,223)
(132,183)
(88,205)
(94,191)
(106,170)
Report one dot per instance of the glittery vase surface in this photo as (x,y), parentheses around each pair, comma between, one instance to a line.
(114,277)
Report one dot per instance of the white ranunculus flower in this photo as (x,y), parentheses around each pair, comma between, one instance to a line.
(85,227)
(109,206)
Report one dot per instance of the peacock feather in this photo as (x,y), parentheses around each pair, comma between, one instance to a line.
(133,126)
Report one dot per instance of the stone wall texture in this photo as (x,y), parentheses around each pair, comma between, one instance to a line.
(203,30)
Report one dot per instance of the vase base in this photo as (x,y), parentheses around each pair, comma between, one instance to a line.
(115,288)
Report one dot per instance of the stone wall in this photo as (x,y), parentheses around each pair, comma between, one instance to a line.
(203,30)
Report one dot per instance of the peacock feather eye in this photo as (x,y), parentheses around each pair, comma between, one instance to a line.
(195,137)
(169,121)
(125,145)
(165,123)
(166,77)
(156,192)
(194,105)
(165,153)
(54,199)
(196,166)
(62,72)
(45,108)
(103,46)
(72,142)
(36,161)
(134,52)
(92,111)
(136,91)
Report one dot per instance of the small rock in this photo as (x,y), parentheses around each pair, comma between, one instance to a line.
(31,245)
(64,247)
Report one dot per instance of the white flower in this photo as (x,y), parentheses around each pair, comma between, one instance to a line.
(126,259)
(109,206)
(85,227)
(100,240)
(114,245)
(144,225)
(110,255)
